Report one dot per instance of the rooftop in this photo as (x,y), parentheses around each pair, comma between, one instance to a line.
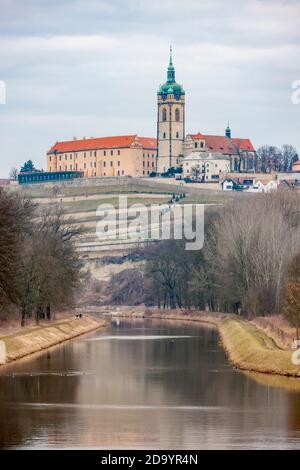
(125,141)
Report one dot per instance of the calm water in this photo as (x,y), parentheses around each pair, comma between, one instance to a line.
(142,384)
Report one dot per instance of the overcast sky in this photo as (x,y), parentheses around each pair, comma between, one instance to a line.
(92,68)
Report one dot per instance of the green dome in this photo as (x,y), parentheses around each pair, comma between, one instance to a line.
(171,87)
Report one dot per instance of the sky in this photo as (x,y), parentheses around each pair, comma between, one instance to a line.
(93,67)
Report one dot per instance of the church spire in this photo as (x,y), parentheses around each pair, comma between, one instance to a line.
(171,70)
(228,131)
(171,58)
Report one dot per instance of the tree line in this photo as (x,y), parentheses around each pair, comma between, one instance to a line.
(271,158)
(39,268)
(250,262)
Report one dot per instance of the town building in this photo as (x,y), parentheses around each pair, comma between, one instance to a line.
(128,155)
(48,177)
(240,152)
(205,166)
(296,166)
(249,185)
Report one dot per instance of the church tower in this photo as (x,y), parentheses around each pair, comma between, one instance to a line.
(170,121)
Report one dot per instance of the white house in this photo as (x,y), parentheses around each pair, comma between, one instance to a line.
(205,166)
(264,186)
(260,186)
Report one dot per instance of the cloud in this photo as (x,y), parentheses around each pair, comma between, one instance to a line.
(93,67)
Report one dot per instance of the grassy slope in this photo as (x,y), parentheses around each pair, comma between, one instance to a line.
(34,339)
(249,348)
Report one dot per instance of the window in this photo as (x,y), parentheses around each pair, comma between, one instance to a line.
(164,135)
(71,156)
(164,114)
(104,153)
(118,172)
(50,159)
(143,163)
(91,165)
(91,153)
(122,172)
(84,155)
(111,152)
(60,158)
(59,168)
(177,135)
(95,165)
(148,164)
(104,163)
(111,163)
(177,114)
(119,153)
(119,163)
(196,145)
(202,144)
(71,167)
(95,154)
(152,164)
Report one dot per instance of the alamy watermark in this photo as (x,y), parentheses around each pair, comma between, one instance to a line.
(296,93)
(142,223)
(296,353)
(2,92)
(2,352)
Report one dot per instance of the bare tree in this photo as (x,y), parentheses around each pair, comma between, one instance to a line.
(13,174)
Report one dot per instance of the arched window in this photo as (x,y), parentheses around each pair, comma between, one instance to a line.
(164,114)
(177,114)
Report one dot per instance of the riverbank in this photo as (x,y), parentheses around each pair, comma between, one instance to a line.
(247,346)
(33,339)
(250,348)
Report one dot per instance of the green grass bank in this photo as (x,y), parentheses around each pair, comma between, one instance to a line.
(33,339)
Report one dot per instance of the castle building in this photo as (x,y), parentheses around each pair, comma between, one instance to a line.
(131,155)
(128,155)
(170,121)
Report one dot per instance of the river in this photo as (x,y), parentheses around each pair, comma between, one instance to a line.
(142,384)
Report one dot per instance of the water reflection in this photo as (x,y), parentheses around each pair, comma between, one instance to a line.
(164,384)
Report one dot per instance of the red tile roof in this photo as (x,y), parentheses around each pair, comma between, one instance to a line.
(93,144)
(244,144)
(148,142)
(223,144)
(199,136)
(124,141)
